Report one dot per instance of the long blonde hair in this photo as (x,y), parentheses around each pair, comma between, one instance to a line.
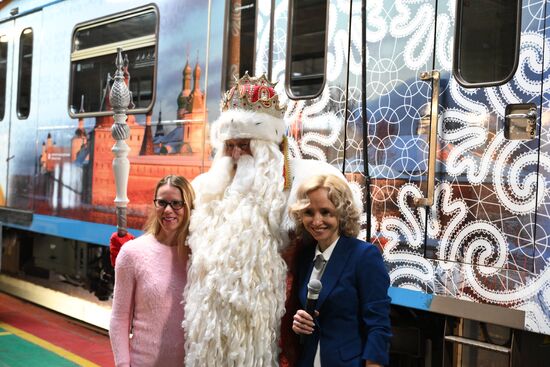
(153,225)
(339,193)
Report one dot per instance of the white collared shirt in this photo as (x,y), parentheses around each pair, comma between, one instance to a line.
(316,274)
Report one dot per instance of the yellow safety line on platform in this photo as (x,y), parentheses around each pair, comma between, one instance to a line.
(48,346)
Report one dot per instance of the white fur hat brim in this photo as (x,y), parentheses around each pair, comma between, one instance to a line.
(243,124)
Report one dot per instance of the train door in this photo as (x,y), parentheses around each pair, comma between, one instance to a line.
(453,144)
(398,47)
(453,106)
(6,65)
(307,57)
(21,107)
(482,221)
(490,182)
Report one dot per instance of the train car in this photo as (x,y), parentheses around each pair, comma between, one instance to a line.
(437,110)
(57,186)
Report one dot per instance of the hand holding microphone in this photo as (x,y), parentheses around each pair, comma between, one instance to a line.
(303,320)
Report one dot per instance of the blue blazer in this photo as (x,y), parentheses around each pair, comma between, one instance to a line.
(354,308)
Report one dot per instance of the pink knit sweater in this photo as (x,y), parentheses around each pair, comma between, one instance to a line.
(149,282)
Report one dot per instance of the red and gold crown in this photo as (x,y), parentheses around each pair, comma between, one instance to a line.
(253,94)
(250,110)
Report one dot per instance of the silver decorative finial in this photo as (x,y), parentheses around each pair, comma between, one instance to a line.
(120,98)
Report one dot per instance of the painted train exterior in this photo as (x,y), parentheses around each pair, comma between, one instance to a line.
(443,125)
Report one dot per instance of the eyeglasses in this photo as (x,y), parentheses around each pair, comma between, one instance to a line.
(175,204)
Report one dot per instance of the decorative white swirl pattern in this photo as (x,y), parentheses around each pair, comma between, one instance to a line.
(262,37)
(417,270)
(418,49)
(481,242)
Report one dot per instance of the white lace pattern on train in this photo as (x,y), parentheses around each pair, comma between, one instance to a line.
(488,232)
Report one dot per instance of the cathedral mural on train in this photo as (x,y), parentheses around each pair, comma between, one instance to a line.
(436,110)
(79,176)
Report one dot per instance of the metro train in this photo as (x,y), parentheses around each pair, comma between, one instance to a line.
(436,110)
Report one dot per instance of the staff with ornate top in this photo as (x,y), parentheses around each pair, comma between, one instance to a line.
(120,97)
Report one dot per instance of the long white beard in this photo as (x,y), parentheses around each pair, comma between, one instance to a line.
(236,281)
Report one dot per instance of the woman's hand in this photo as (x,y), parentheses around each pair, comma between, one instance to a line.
(303,322)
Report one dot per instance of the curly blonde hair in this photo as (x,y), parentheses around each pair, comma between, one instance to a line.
(153,224)
(339,193)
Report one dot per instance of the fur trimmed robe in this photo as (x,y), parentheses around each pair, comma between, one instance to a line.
(235,292)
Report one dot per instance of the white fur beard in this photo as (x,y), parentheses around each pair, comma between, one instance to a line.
(236,281)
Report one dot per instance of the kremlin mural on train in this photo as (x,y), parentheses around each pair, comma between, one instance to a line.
(79,175)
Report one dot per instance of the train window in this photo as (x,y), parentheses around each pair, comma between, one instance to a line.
(241,40)
(25,74)
(306,52)
(486,41)
(93,60)
(3,73)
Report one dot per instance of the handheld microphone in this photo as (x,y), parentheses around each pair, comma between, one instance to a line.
(313,289)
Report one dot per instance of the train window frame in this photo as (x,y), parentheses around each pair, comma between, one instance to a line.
(227,77)
(458,50)
(109,49)
(24,83)
(3,74)
(289,48)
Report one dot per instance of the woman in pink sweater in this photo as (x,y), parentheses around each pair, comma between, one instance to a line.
(151,272)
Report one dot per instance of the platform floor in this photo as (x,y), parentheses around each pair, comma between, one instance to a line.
(34,336)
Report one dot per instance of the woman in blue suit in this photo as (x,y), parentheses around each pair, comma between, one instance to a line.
(352,323)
